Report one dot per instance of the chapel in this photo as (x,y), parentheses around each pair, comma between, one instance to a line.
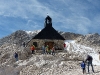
(47,36)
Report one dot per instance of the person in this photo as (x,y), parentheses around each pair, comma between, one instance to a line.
(16,56)
(99,55)
(53,50)
(43,48)
(24,44)
(83,65)
(89,59)
(47,49)
(33,49)
(64,46)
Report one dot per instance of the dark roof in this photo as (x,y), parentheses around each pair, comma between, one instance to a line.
(48,33)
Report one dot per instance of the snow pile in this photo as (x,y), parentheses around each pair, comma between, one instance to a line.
(72,46)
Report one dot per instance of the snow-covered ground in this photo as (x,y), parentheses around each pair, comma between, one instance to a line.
(71,45)
(59,64)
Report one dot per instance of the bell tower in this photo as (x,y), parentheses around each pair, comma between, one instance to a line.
(48,21)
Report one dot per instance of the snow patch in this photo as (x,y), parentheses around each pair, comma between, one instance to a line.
(32,32)
(71,45)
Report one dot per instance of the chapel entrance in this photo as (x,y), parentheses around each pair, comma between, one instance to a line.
(50,44)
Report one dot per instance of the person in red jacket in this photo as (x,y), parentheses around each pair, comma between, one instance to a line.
(33,49)
(64,45)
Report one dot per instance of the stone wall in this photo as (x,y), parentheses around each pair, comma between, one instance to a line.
(57,43)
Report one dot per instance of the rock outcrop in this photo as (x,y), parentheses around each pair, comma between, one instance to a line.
(91,40)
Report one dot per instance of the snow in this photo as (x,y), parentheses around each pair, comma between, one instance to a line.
(20,62)
(25,62)
(96,60)
(31,32)
(71,45)
(32,60)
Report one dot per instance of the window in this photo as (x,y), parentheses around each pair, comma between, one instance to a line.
(35,44)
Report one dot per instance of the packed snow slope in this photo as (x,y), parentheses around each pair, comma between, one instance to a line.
(72,46)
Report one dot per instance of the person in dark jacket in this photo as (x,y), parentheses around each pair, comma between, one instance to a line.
(16,56)
(89,60)
(24,44)
(99,55)
(83,65)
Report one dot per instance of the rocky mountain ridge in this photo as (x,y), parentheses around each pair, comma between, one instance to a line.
(21,36)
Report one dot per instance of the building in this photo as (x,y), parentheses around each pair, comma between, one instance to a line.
(47,36)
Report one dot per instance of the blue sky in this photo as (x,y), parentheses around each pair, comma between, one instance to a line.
(78,16)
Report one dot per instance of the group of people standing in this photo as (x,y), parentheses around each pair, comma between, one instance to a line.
(47,50)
